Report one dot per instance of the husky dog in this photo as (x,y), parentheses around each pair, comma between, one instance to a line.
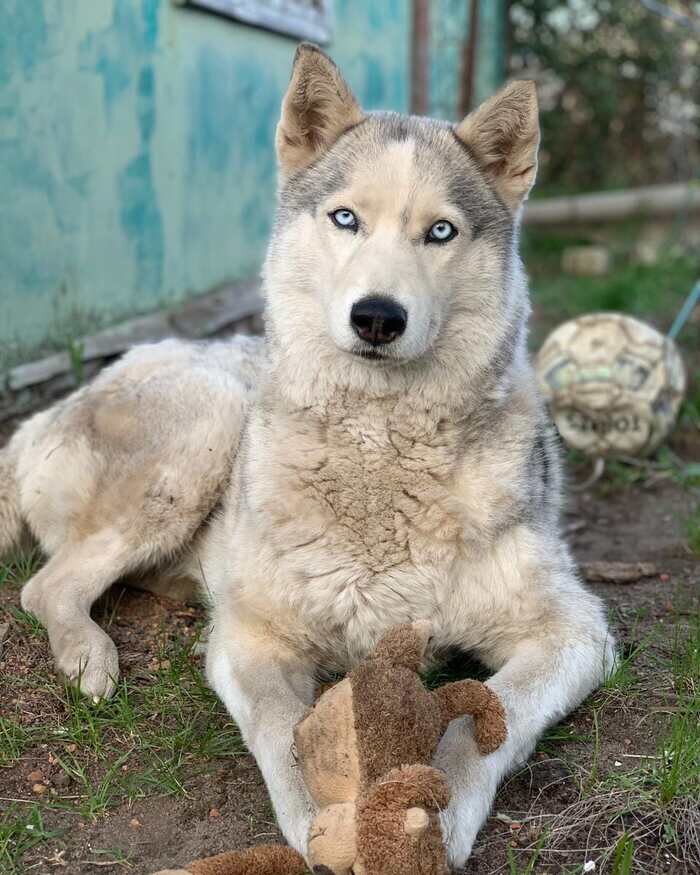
(384,459)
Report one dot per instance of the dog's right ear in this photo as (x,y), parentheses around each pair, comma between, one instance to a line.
(317,108)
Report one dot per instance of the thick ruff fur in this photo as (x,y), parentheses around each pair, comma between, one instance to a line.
(323,494)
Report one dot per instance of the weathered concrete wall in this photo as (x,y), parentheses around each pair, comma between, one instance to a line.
(136,159)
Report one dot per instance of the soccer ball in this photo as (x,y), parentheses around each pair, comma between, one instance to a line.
(613,383)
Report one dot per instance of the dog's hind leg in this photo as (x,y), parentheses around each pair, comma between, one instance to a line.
(11,523)
(61,595)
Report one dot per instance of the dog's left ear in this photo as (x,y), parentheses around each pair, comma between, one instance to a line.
(503,135)
(317,108)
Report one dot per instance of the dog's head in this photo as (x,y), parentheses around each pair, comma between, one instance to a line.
(394,244)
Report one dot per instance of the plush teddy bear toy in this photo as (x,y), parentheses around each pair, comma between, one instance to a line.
(365,750)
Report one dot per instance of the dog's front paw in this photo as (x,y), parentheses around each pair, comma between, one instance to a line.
(88,658)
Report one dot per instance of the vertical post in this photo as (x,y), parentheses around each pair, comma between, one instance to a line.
(491,51)
(468,72)
(420,57)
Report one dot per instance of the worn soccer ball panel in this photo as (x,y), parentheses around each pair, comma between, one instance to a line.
(613,383)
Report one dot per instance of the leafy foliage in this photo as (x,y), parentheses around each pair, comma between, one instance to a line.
(619,87)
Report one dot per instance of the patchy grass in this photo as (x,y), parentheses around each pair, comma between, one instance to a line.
(158,733)
(18,568)
(643,816)
(652,292)
(693,531)
(14,740)
(163,729)
(21,829)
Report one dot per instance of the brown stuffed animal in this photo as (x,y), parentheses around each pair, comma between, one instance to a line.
(263,860)
(365,750)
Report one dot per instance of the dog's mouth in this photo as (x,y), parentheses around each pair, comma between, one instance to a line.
(372,355)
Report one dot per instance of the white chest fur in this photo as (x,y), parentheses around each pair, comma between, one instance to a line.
(345,524)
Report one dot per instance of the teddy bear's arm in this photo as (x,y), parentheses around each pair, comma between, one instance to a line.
(473,697)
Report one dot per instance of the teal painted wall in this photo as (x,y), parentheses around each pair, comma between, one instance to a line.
(136,158)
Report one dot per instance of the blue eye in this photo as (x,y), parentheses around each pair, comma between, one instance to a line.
(344,219)
(441,232)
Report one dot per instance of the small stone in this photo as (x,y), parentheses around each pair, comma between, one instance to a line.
(62,780)
(214,812)
(35,776)
(586,260)
(664,578)
(135,823)
(39,789)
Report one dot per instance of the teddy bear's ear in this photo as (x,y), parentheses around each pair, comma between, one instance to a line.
(404,645)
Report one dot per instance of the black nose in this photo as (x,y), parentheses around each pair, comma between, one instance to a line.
(378,320)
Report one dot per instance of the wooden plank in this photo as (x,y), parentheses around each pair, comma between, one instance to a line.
(652,200)
(198,318)
(618,572)
(109,342)
(207,314)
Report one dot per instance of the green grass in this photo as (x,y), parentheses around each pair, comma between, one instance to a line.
(17,568)
(652,806)
(63,335)
(27,622)
(109,857)
(692,527)
(21,829)
(690,408)
(623,856)
(162,728)
(14,740)
(514,868)
(628,473)
(624,679)
(558,737)
(169,717)
(76,349)
(651,292)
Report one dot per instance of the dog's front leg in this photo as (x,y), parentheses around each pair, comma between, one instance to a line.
(267,689)
(543,680)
